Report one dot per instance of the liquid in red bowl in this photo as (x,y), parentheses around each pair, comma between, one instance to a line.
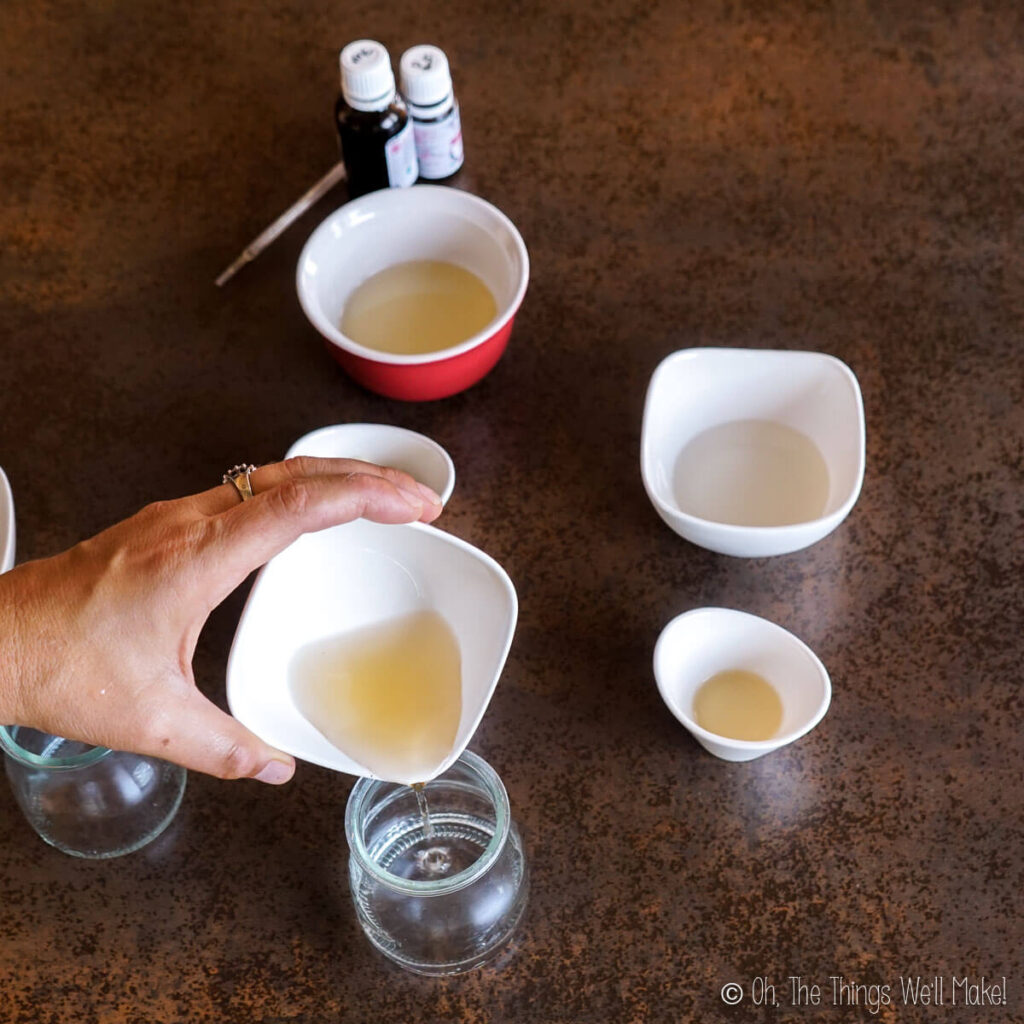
(425,222)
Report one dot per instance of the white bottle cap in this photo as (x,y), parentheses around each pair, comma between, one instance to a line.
(367,81)
(426,80)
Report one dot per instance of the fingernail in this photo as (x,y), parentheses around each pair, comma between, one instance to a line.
(275,772)
(427,493)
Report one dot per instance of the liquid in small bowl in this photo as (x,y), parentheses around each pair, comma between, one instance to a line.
(738,704)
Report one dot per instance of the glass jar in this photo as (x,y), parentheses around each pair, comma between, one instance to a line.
(439,878)
(90,801)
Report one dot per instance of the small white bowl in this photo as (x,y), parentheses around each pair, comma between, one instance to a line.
(384,445)
(701,643)
(7,532)
(348,577)
(695,389)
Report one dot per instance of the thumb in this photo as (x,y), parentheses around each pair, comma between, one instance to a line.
(201,737)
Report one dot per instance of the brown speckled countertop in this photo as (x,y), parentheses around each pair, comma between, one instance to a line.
(842,177)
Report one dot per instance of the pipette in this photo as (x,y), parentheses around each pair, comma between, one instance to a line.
(296,210)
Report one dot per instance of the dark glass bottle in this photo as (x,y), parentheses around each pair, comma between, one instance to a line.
(377,142)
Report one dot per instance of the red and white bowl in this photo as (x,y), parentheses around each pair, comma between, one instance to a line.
(425,222)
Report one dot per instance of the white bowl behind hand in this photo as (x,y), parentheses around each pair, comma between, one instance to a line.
(419,456)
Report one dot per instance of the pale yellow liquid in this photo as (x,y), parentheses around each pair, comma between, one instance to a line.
(389,695)
(738,704)
(416,307)
(752,473)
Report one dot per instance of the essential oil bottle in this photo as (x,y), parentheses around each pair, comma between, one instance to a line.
(377,142)
(426,84)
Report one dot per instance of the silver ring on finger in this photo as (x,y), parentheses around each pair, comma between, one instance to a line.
(239,476)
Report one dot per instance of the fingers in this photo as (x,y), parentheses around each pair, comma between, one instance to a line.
(265,478)
(202,738)
(252,532)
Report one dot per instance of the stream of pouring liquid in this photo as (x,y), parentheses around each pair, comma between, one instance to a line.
(420,789)
(388,695)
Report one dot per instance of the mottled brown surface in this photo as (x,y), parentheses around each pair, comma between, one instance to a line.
(842,177)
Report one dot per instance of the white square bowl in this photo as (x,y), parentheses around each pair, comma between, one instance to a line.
(348,577)
(696,389)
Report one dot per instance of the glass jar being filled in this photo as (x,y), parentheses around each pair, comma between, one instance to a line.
(438,874)
(90,801)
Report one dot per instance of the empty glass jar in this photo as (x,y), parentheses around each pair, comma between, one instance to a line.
(439,883)
(90,801)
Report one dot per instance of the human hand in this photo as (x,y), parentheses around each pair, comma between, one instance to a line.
(96,643)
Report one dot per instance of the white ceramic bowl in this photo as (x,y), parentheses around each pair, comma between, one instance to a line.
(7,533)
(419,456)
(425,222)
(699,388)
(348,577)
(701,643)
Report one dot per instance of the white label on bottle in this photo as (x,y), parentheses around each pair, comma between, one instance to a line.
(400,154)
(439,145)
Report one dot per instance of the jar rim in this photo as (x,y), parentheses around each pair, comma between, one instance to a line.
(14,750)
(365,788)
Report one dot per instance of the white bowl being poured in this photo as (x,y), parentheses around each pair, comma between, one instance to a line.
(355,576)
